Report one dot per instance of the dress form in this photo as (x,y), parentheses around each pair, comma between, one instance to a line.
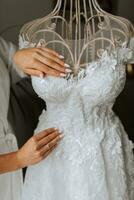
(81,33)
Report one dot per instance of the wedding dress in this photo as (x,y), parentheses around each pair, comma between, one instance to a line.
(94,161)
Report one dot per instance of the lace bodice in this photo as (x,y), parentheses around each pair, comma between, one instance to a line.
(100,83)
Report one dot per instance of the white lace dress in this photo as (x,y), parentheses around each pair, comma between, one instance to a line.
(94,161)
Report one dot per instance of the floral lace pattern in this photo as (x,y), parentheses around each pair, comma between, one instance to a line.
(94,160)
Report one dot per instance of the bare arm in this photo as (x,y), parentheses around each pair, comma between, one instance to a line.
(9,162)
(36,149)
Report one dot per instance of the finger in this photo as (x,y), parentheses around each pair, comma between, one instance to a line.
(51,63)
(52,57)
(50,51)
(48,70)
(51,144)
(48,139)
(34,72)
(50,151)
(45,133)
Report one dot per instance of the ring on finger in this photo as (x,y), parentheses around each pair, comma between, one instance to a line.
(48,146)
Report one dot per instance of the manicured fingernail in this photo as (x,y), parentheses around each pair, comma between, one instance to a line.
(60,132)
(66,65)
(61,57)
(68,70)
(41,76)
(63,75)
(56,129)
(61,136)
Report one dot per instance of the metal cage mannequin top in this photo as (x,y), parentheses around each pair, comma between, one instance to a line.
(79,30)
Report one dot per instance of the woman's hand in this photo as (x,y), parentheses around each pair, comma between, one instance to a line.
(38,147)
(40,62)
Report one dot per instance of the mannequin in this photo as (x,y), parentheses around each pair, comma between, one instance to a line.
(80,30)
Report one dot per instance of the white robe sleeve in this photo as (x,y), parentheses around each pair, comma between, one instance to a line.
(7,51)
(10,183)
